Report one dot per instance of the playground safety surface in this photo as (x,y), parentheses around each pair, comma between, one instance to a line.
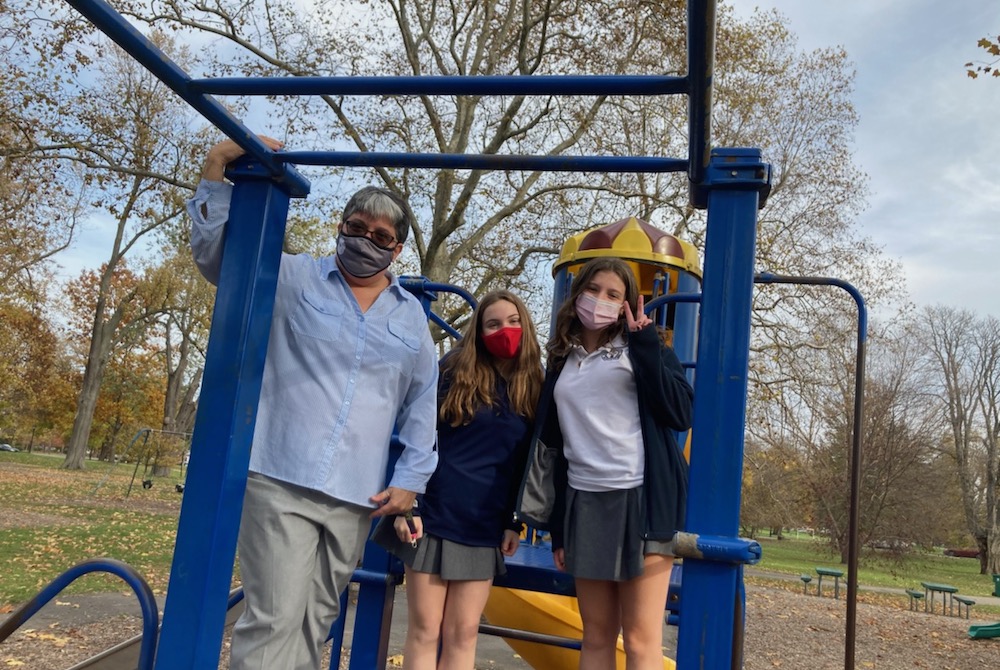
(785,629)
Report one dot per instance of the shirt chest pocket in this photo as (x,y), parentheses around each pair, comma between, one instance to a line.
(400,348)
(317,317)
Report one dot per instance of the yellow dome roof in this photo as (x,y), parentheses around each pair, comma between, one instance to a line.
(630,239)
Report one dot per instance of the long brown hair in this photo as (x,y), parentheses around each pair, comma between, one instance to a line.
(473,374)
(567,329)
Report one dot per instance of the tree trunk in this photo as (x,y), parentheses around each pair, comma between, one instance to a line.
(107,453)
(982,543)
(86,402)
(989,561)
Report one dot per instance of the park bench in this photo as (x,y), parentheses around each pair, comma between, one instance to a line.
(947,593)
(915,597)
(829,572)
(962,600)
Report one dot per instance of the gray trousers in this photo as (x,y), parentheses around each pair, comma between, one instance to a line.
(297,551)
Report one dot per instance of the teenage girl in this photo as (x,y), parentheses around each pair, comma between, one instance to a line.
(613,396)
(488,390)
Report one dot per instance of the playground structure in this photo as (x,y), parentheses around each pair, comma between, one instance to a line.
(984,631)
(710,311)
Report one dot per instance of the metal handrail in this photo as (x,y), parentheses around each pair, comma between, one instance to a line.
(147,601)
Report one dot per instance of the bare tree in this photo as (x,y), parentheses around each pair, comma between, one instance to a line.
(807,413)
(180,332)
(963,365)
(480,227)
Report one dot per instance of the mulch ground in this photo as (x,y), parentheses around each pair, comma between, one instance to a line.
(784,630)
(792,630)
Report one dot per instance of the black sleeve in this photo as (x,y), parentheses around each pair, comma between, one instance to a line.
(660,374)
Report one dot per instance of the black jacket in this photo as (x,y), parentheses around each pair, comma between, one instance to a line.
(665,401)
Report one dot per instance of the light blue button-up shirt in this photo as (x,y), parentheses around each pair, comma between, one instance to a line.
(336,380)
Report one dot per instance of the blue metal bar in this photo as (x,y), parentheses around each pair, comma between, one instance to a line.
(686,312)
(147,602)
(686,297)
(446,85)
(853,545)
(336,637)
(701,65)
(560,163)
(112,24)
(235,598)
(734,550)
(372,616)
(420,285)
(660,287)
(426,291)
(445,326)
(220,448)
(706,634)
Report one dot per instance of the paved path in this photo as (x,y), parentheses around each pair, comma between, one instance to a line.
(82,609)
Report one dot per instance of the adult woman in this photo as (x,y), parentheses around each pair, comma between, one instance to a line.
(613,396)
(488,390)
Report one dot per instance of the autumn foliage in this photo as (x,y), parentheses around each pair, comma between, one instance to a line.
(992,47)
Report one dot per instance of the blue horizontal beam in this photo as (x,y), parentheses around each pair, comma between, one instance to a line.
(446,85)
(112,24)
(487,161)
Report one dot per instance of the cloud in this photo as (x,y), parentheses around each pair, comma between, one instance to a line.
(926,135)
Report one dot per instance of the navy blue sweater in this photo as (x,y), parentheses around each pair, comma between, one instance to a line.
(470,497)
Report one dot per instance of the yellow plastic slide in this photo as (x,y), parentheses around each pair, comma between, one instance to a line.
(544,613)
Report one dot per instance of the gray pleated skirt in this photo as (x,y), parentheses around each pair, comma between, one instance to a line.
(603,535)
(436,556)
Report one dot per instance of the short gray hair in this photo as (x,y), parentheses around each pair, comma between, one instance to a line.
(383,204)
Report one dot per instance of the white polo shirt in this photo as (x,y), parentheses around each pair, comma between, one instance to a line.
(599,417)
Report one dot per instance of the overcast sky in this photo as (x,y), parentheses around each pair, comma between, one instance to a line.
(928,137)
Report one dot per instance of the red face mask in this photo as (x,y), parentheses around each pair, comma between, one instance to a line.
(504,343)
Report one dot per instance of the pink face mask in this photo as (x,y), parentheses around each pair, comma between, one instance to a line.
(597,314)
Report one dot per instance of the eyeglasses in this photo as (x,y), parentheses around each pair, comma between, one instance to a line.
(355,228)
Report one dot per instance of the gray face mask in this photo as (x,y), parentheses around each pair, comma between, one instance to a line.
(360,257)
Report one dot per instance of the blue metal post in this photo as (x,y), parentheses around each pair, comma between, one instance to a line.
(735,180)
(686,320)
(220,448)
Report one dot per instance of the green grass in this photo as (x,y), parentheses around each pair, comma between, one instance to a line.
(52,519)
(877,569)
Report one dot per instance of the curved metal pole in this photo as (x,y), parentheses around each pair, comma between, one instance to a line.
(147,601)
(435,286)
(859,404)
(425,290)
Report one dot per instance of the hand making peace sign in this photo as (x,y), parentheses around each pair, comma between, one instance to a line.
(640,322)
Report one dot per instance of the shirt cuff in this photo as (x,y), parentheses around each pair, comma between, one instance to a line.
(210,202)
